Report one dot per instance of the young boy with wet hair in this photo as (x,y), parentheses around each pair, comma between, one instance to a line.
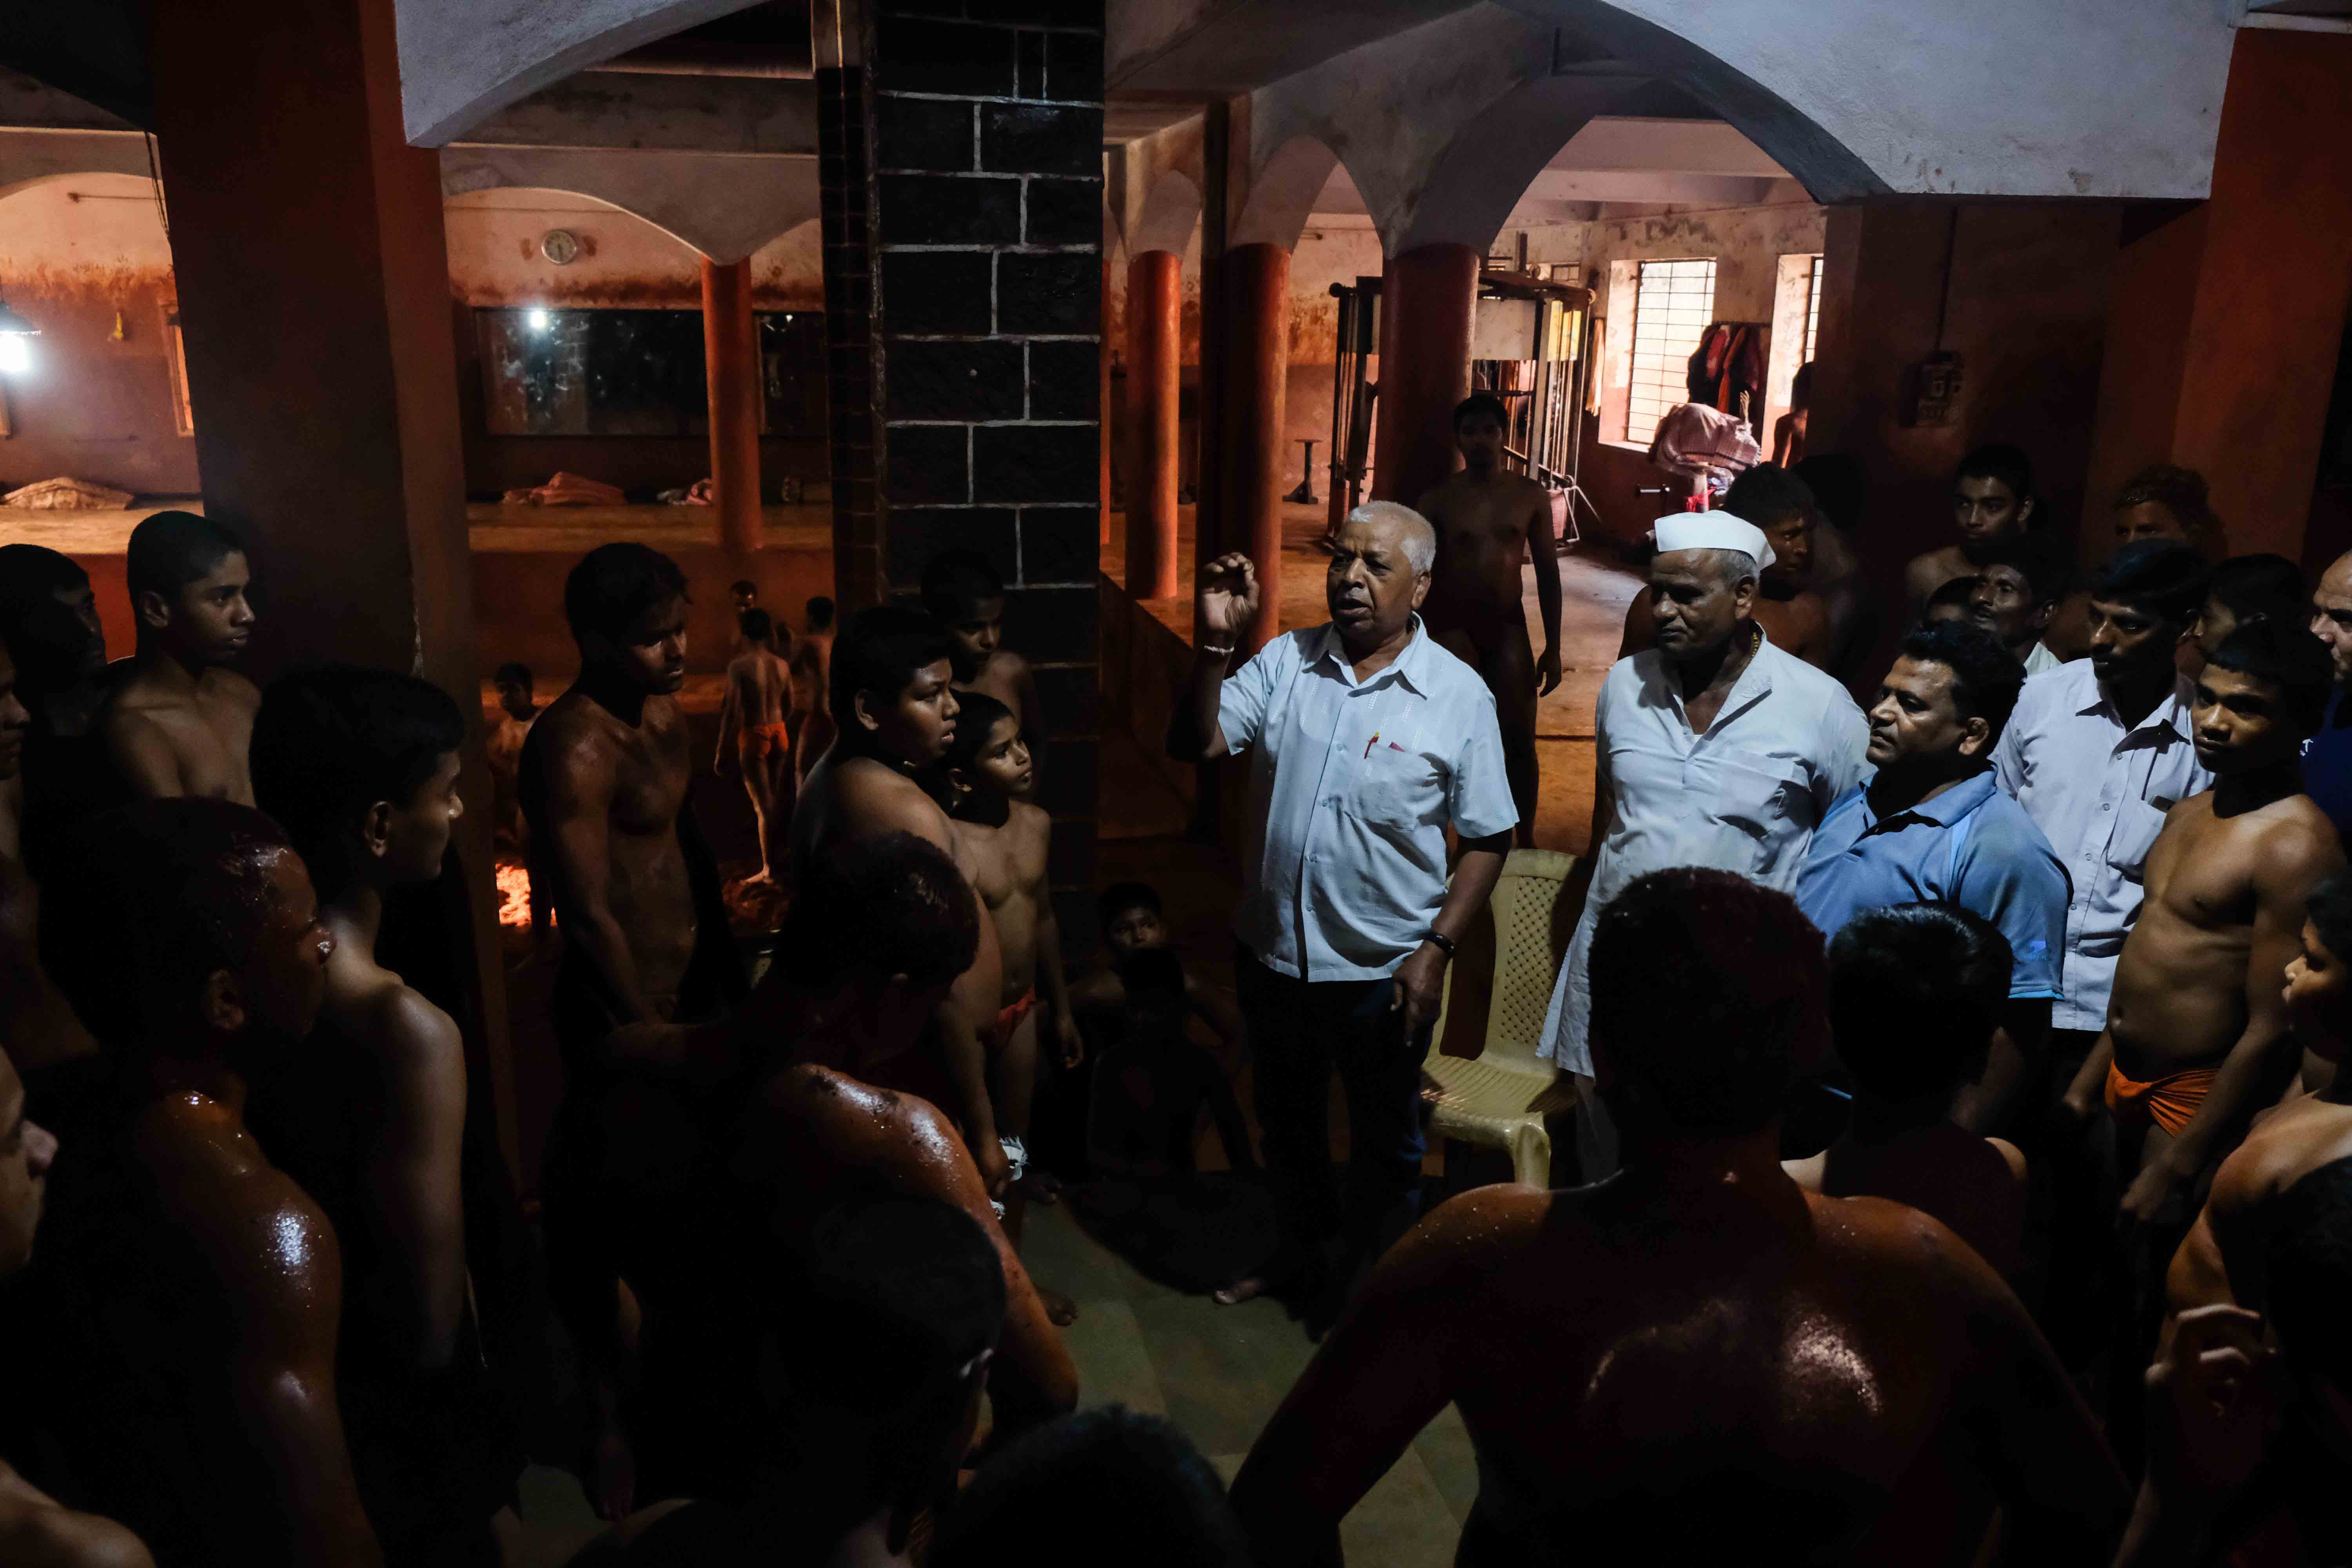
(963,593)
(1006,842)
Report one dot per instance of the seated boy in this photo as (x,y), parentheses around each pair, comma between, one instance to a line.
(1915,993)
(1133,920)
(1005,842)
(1150,1204)
(963,593)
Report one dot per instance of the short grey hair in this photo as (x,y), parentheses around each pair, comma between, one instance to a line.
(1420,540)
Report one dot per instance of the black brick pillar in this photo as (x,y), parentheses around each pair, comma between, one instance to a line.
(983,327)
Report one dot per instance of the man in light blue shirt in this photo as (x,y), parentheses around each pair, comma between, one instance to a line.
(1932,826)
(1368,740)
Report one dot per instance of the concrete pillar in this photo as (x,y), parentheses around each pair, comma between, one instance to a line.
(730,367)
(313,281)
(1426,298)
(1257,363)
(1153,363)
(2226,321)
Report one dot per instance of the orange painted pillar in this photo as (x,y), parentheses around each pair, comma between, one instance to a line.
(730,364)
(1102,401)
(1153,366)
(1256,288)
(2222,341)
(1426,298)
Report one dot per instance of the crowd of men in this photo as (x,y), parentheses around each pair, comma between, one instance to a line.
(1952,1078)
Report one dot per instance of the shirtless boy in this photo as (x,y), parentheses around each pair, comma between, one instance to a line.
(1915,993)
(1992,498)
(1487,521)
(34,1531)
(2222,1261)
(603,780)
(2197,1034)
(812,716)
(1132,920)
(1794,617)
(178,720)
(360,766)
(965,596)
(1696,1356)
(895,700)
(703,1135)
(754,736)
(191,1290)
(1006,843)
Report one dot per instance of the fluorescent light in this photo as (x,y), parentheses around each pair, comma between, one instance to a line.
(15,353)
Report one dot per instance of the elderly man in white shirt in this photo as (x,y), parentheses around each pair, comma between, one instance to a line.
(1367,741)
(1712,748)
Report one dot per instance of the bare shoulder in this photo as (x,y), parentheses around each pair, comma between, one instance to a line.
(263,1235)
(1486,1227)
(231,689)
(35,1532)
(1033,828)
(2298,844)
(875,798)
(2280,1151)
(897,1137)
(414,1042)
(1901,1242)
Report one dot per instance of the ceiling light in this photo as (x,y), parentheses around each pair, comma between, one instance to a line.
(538,320)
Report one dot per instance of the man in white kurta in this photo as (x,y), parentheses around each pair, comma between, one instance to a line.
(1713,748)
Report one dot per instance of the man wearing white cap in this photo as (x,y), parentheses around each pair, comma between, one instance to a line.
(1713,748)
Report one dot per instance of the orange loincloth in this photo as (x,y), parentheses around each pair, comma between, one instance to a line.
(766,741)
(1007,1020)
(2168,1101)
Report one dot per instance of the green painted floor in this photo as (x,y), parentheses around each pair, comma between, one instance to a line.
(1218,1372)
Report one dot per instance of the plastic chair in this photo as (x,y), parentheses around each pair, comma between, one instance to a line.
(1501,1097)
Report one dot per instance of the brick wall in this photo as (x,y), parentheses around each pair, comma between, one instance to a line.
(980,408)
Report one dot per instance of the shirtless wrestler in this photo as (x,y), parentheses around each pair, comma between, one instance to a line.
(360,766)
(38,1026)
(1696,1357)
(517,710)
(1915,993)
(812,716)
(190,1290)
(1992,498)
(2196,1035)
(964,594)
(35,1532)
(2221,1260)
(708,1143)
(1793,615)
(1487,521)
(177,721)
(603,784)
(893,696)
(755,738)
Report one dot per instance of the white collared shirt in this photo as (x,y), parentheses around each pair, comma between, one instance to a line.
(1745,796)
(2098,788)
(1352,784)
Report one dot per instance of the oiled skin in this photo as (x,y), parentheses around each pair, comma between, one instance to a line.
(603,798)
(1667,1370)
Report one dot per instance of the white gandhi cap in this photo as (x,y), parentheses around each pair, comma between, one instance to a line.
(1713,531)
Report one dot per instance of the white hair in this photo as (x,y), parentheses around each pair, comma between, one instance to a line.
(1419,541)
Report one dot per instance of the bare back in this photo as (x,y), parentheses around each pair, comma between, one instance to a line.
(761,687)
(205,1415)
(1485,529)
(169,742)
(1826,1379)
(1974,1185)
(2181,987)
(603,798)
(1930,570)
(2221,1260)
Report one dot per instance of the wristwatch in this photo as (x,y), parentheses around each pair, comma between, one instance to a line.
(1441,941)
